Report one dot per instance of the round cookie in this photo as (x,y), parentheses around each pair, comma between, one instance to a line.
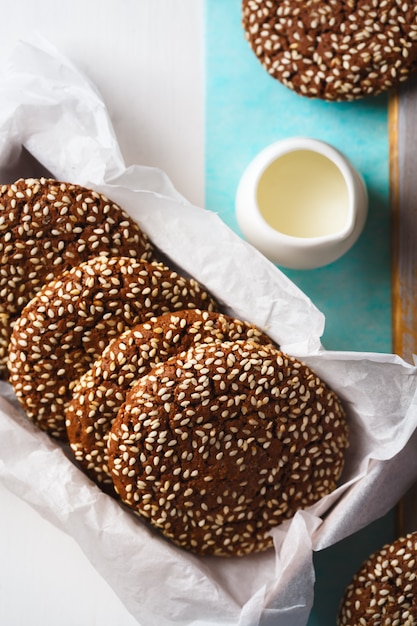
(333,50)
(101,391)
(384,590)
(218,445)
(47,227)
(70,321)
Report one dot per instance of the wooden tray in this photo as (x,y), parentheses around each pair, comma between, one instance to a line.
(403,188)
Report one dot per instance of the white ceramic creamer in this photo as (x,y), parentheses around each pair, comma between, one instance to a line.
(301,203)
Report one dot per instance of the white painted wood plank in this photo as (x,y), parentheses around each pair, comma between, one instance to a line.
(145,57)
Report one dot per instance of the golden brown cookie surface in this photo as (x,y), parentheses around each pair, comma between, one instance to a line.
(219,445)
(46,227)
(70,321)
(337,50)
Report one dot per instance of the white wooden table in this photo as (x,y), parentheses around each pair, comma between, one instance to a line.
(146,58)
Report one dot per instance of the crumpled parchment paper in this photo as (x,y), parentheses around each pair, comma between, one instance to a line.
(49,109)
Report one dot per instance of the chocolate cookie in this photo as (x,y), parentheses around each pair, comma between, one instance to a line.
(334,50)
(384,590)
(70,321)
(217,446)
(102,390)
(47,227)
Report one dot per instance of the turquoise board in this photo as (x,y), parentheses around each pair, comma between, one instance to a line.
(246,110)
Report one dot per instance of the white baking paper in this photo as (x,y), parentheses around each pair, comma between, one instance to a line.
(51,111)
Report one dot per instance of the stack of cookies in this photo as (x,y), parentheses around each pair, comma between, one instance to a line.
(195,420)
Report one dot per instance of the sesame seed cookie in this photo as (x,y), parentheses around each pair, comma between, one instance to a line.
(335,50)
(70,321)
(47,227)
(218,445)
(101,391)
(384,590)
